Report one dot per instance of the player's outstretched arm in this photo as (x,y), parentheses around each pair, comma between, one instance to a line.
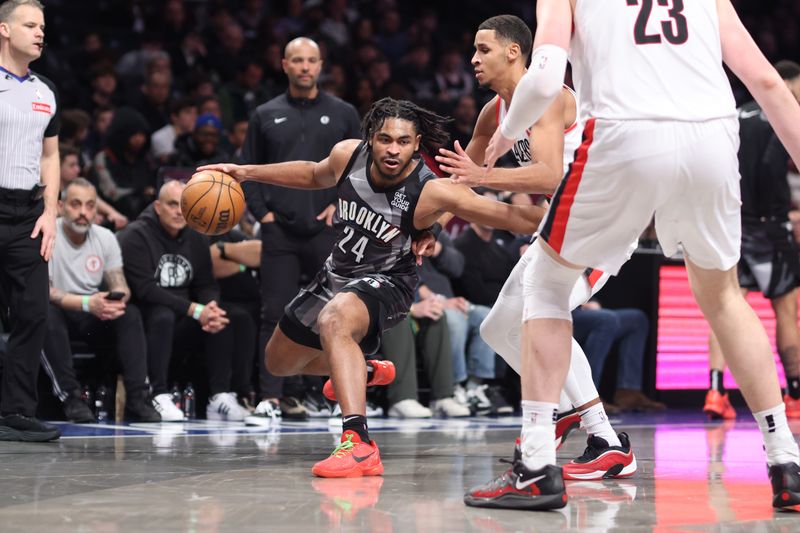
(440,196)
(295,174)
(742,55)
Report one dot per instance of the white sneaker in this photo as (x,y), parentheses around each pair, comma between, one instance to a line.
(409,409)
(169,411)
(479,401)
(223,406)
(460,395)
(373,410)
(449,407)
(266,412)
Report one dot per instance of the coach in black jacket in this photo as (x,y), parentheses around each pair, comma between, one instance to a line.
(168,268)
(301,124)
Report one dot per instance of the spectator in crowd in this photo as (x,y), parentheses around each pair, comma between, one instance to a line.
(188,57)
(182,117)
(452,80)
(416,72)
(465,114)
(171,277)
(85,258)
(392,39)
(201,146)
(472,359)
(596,330)
(431,342)
(153,103)
(302,124)
(240,96)
(132,66)
(75,125)
(230,45)
(95,141)
(70,171)
(292,22)
(104,91)
(234,141)
(488,264)
(124,174)
(210,104)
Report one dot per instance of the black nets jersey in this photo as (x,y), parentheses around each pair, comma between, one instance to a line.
(375,225)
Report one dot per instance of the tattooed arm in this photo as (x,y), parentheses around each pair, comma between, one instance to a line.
(64,299)
(115,281)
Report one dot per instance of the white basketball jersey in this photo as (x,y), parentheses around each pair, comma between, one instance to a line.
(649,59)
(522,146)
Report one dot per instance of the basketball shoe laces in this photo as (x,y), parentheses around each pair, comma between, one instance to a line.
(345,447)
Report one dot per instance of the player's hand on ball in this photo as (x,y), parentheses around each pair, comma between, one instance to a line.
(237,172)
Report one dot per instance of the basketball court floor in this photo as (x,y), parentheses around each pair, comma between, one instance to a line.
(206,477)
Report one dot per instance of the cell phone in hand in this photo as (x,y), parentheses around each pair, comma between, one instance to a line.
(115,295)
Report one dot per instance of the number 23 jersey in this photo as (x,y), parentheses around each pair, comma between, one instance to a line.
(375,225)
(649,59)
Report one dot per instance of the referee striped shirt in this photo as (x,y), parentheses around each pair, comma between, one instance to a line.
(28,114)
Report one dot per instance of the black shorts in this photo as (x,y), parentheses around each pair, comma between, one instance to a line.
(388,300)
(770,262)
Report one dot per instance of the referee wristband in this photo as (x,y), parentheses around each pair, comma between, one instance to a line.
(198,310)
(85,304)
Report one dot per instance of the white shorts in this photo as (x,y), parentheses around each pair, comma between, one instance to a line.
(684,173)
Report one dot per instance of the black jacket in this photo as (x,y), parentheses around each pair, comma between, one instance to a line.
(486,268)
(166,270)
(292,129)
(437,272)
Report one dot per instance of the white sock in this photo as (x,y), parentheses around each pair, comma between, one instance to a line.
(595,421)
(538,434)
(779,442)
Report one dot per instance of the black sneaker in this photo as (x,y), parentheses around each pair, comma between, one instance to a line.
(520,488)
(27,429)
(141,410)
(77,411)
(785,479)
(499,404)
(292,409)
(601,461)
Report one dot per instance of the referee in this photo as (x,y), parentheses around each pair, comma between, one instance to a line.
(770,260)
(28,150)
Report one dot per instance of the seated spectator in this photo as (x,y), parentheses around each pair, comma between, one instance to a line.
(182,117)
(153,102)
(432,342)
(170,273)
(85,257)
(596,330)
(234,141)
(472,359)
(95,141)
(239,97)
(209,104)
(201,146)
(452,80)
(123,171)
(465,114)
(70,170)
(75,124)
(487,265)
(103,91)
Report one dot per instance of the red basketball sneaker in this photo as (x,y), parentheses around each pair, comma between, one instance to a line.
(383,373)
(792,407)
(565,423)
(351,458)
(718,405)
(601,461)
(521,488)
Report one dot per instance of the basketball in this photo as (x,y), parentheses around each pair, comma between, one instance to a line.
(212,202)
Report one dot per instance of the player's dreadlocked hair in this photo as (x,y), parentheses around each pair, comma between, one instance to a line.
(427,123)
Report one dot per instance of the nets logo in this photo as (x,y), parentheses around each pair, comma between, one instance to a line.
(173,270)
(41,108)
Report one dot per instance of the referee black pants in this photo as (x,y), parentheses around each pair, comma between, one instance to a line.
(24,285)
(284,257)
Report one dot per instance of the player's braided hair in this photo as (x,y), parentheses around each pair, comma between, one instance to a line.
(427,123)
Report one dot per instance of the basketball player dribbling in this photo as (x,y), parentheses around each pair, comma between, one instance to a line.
(660,139)
(543,154)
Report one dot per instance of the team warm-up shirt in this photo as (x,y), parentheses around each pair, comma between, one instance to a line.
(28,113)
(79,268)
(649,59)
(375,225)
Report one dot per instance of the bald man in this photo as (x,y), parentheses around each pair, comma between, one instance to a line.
(168,268)
(302,124)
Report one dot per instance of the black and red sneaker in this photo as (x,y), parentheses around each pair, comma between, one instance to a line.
(785,480)
(601,461)
(566,423)
(521,488)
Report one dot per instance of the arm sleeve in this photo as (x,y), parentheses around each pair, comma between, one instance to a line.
(139,275)
(535,90)
(253,152)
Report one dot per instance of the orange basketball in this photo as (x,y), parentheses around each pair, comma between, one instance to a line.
(212,202)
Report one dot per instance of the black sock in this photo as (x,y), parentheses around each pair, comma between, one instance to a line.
(793,387)
(715,380)
(357,423)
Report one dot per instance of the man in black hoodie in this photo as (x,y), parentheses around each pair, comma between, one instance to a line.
(168,267)
(302,124)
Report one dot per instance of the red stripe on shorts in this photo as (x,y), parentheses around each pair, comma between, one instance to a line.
(594,277)
(573,180)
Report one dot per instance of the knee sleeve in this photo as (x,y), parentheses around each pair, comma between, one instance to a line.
(502,329)
(547,287)
(579,387)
